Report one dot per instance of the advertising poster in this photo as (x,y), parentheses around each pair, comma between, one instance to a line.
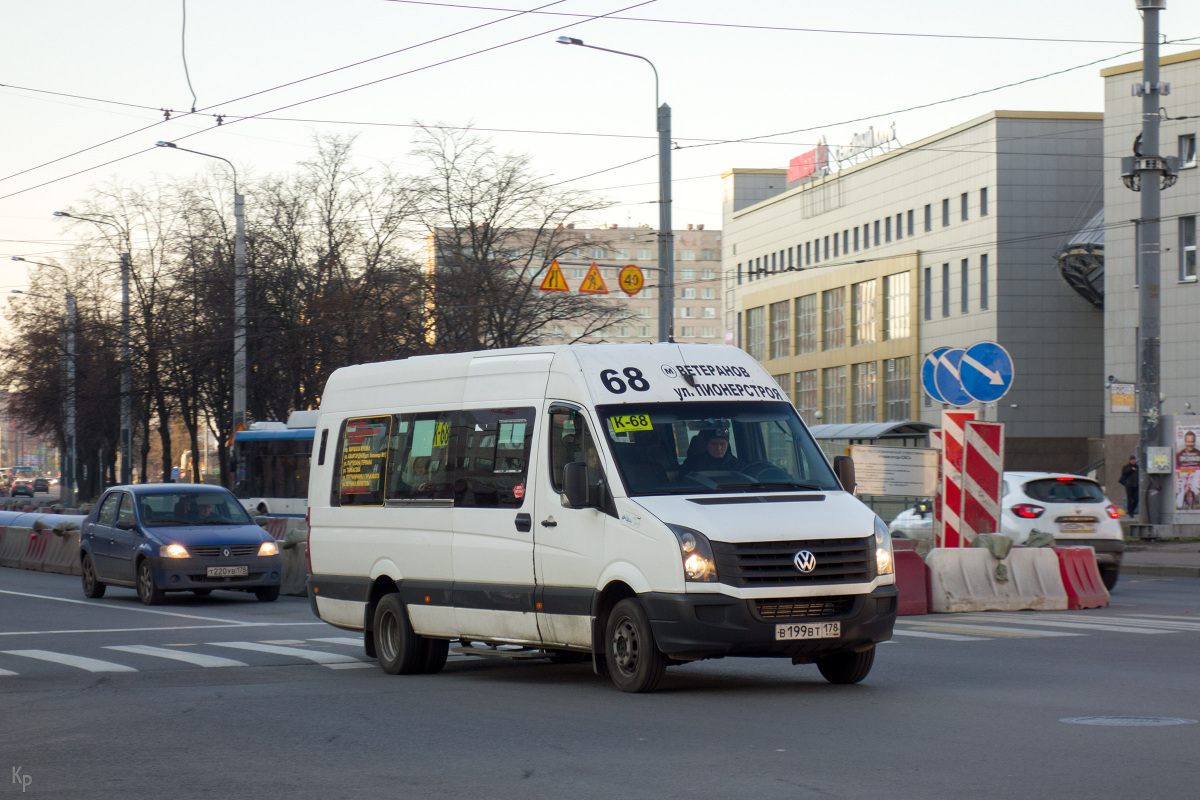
(1187,468)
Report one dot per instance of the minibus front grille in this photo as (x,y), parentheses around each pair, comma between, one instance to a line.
(838,561)
(803,607)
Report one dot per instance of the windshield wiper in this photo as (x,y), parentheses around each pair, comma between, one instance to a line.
(770,485)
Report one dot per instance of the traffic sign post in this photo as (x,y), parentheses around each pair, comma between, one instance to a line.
(981,373)
(631,279)
(555,281)
(949,383)
(593,282)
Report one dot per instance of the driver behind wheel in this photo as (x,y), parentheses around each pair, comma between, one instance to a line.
(713,454)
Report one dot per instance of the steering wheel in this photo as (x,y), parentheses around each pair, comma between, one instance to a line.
(758,470)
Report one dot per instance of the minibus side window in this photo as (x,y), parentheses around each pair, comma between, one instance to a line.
(572,440)
(362,461)
(494,457)
(422,465)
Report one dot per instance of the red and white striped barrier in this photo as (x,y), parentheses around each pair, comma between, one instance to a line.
(952,466)
(983,467)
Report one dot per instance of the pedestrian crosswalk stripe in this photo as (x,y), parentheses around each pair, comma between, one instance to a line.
(199,659)
(352,665)
(319,656)
(346,640)
(1096,626)
(4,672)
(953,637)
(989,630)
(89,664)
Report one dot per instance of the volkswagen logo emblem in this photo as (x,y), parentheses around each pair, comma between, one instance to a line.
(805,561)
(225,551)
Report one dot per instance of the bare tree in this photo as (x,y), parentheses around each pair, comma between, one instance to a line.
(493,228)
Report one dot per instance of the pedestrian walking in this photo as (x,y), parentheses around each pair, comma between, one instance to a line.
(1129,479)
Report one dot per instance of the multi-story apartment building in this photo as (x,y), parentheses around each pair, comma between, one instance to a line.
(1179,352)
(841,284)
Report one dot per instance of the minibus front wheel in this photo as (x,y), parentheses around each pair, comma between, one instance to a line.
(635,663)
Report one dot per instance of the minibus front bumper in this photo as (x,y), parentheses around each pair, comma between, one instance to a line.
(688,627)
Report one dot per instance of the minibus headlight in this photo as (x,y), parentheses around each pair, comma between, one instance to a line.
(698,563)
(884,564)
(173,551)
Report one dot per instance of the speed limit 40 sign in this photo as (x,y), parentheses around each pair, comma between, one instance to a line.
(631,279)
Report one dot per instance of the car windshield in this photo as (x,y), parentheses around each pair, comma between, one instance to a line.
(191,508)
(1064,490)
(689,448)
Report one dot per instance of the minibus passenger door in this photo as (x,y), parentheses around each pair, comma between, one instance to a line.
(569,541)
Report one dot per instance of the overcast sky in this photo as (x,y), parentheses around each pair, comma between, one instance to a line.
(729,70)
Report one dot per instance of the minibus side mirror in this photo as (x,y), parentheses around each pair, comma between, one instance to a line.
(843,467)
(575,485)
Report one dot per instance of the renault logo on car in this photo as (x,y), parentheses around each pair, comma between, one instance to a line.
(805,561)
(225,551)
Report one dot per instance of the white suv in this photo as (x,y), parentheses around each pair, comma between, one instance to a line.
(1071,508)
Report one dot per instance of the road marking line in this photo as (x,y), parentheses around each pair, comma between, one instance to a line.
(94,604)
(319,656)
(198,659)
(161,628)
(355,665)
(350,641)
(89,664)
(1163,622)
(999,630)
(1094,626)
(4,672)
(952,637)
(292,642)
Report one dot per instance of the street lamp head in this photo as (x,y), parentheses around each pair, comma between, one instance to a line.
(17,258)
(568,40)
(61,214)
(165,144)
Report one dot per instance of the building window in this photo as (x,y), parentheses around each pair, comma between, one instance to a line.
(834,401)
(785,385)
(1187,150)
(833,317)
(578,273)
(707,293)
(816,251)
(644,331)
(899,226)
(791,264)
(708,255)
(687,312)
(835,245)
(643,312)
(863,380)
(863,312)
(709,312)
(687,332)
(708,332)
(1187,248)
(877,239)
(965,276)
(867,236)
(983,208)
(807,253)
(780,337)
(945,290)
(897,388)
(773,265)
(887,229)
(688,293)
(645,255)
(687,255)
(963,202)
(856,238)
(756,333)
(739,274)
(599,253)
(708,274)
(983,281)
(688,274)
(929,293)
(928,217)
(806,325)
(806,396)
(846,241)
(826,248)
(945,212)
(910,222)
(895,306)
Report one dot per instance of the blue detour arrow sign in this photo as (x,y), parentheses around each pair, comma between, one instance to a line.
(929,374)
(946,375)
(986,372)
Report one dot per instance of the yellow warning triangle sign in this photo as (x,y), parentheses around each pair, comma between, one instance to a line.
(592,282)
(554,280)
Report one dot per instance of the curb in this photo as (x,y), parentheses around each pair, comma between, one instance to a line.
(1160,571)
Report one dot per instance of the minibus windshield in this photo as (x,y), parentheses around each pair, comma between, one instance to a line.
(690,448)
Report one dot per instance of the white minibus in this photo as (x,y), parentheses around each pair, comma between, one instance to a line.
(639,505)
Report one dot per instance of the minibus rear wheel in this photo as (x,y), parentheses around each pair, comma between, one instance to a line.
(635,663)
(398,647)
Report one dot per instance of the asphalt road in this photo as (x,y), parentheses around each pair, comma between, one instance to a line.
(228,697)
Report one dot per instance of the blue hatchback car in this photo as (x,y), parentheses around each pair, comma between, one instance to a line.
(171,537)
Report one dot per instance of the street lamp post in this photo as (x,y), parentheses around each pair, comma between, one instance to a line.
(666,235)
(239,290)
(126,366)
(68,468)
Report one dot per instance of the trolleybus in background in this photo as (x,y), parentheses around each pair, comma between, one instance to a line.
(271,465)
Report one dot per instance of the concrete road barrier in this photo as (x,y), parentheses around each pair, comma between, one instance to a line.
(1081,577)
(912,581)
(295,570)
(963,579)
(62,549)
(35,551)
(13,546)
